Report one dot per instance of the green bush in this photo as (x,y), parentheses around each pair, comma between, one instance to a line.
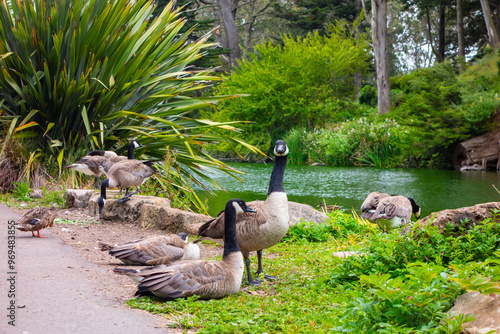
(297,85)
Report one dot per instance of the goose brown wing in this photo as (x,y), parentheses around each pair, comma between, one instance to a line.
(394,206)
(184,279)
(168,248)
(215,228)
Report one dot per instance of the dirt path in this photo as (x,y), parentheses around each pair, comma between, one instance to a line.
(57,290)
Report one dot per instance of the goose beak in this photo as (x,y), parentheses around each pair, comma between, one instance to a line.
(249,209)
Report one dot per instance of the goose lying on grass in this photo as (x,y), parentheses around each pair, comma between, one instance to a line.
(206,279)
(155,250)
(268,226)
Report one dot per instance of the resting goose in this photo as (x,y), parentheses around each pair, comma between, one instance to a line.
(155,250)
(113,157)
(206,279)
(371,203)
(268,226)
(395,211)
(126,174)
(35,220)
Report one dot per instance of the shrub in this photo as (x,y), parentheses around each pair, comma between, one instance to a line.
(118,75)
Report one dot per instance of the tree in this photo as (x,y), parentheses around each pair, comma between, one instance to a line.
(461,37)
(379,39)
(230,31)
(490,26)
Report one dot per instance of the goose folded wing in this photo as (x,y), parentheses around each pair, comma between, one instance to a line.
(185,279)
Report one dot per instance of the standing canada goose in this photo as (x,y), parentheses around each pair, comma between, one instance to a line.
(113,157)
(206,279)
(268,226)
(155,250)
(35,220)
(395,211)
(371,203)
(92,165)
(126,174)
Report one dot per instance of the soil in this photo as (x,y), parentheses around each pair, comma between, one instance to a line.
(82,232)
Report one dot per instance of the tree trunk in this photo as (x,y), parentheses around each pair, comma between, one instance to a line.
(490,26)
(480,151)
(442,30)
(461,37)
(231,40)
(379,35)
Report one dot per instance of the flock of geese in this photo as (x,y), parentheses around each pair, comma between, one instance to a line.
(175,270)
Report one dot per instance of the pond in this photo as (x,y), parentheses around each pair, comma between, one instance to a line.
(433,190)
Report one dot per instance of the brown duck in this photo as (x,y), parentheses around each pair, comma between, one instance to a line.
(35,220)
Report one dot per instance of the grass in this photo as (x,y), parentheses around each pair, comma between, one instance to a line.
(387,292)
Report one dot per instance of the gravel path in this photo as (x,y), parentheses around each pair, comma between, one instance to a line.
(59,291)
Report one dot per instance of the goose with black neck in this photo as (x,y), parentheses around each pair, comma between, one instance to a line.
(267,227)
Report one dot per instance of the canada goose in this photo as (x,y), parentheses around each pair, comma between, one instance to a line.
(161,249)
(206,279)
(371,203)
(126,174)
(268,226)
(395,211)
(35,220)
(113,157)
(92,165)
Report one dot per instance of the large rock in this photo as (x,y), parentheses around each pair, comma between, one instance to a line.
(463,217)
(129,211)
(298,212)
(172,220)
(485,309)
(78,198)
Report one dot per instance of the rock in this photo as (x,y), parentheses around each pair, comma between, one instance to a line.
(172,220)
(129,211)
(485,309)
(347,254)
(36,193)
(463,217)
(298,212)
(78,198)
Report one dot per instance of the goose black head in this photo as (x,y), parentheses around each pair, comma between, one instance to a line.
(183,236)
(280,149)
(136,144)
(415,209)
(240,206)
(101,201)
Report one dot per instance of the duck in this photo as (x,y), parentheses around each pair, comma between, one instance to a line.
(264,229)
(206,279)
(154,250)
(395,211)
(371,203)
(126,174)
(35,220)
(113,157)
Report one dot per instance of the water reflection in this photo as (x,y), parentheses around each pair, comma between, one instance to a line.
(433,190)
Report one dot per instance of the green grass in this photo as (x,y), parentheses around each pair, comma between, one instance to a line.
(314,292)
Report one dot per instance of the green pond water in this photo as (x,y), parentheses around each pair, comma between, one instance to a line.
(433,190)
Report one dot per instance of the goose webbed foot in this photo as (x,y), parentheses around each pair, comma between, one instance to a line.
(123,200)
(251,281)
(257,282)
